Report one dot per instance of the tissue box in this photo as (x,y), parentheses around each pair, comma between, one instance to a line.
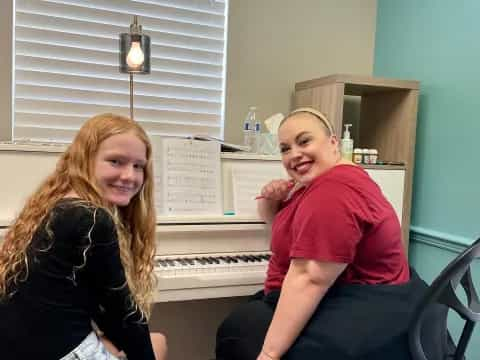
(269,144)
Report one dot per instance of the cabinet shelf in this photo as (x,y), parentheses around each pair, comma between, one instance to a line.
(384,167)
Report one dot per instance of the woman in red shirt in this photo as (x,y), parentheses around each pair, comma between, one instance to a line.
(338,268)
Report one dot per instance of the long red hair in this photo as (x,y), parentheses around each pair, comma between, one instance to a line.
(74,172)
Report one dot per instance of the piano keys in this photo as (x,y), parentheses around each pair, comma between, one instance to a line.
(209,275)
(205,258)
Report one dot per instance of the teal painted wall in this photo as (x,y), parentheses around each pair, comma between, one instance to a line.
(438,43)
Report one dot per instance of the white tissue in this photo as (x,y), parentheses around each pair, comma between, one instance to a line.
(273,123)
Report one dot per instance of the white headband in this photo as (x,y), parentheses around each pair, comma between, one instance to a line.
(315,113)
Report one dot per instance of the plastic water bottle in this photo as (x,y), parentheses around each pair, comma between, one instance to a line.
(257,137)
(248,130)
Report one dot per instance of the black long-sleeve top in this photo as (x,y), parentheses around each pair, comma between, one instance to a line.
(75,275)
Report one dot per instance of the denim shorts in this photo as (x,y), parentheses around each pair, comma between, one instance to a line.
(91,348)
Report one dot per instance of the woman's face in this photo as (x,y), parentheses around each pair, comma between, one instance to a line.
(307,151)
(119,167)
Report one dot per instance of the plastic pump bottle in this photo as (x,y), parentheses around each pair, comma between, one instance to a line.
(347,144)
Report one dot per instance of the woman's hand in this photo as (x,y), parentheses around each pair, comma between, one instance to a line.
(273,194)
(264,356)
(277,189)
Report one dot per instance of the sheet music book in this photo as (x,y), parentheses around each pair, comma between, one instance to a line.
(187,177)
(226,147)
(247,184)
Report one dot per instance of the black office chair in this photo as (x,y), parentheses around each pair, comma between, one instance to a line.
(429,324)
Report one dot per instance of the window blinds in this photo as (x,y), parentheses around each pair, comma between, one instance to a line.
(66,66)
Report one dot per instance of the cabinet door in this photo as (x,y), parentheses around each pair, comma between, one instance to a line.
(391,182)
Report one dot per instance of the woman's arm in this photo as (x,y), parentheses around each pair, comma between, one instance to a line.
(305,284)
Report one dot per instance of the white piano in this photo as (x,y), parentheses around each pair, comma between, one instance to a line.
(210,258)
(204,264)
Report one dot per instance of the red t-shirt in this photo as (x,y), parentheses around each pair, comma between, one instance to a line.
(341,217)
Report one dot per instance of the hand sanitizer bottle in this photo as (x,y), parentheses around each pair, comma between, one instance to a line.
(347,144)
(248,130)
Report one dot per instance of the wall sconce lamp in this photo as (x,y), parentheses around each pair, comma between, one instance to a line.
(134,54)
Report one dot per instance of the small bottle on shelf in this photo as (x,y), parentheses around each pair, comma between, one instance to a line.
(357,156)
(373,154)
(365,156)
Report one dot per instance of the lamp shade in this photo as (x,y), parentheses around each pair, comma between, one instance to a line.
(134,53)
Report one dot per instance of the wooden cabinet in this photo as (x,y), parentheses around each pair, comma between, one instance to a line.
(387,119)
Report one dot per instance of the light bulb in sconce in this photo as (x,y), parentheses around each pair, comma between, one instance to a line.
(135,57)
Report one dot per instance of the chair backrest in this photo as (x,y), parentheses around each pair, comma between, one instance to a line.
(442,291)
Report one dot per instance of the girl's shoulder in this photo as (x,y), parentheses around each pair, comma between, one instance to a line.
(76,212)
(74,206)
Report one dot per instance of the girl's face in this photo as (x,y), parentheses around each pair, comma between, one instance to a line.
(119,167)
(307,151)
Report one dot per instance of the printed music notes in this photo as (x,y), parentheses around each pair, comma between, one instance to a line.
(247,183)
(188,180)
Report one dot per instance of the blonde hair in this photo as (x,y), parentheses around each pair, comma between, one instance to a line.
(135,222)
(318,114)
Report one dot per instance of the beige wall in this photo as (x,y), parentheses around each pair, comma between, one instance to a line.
(5,69)
(274,43)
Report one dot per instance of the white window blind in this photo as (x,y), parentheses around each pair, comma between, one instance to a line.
(66,66)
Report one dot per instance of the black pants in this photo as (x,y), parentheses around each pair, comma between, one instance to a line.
(352,322)
(240,336)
